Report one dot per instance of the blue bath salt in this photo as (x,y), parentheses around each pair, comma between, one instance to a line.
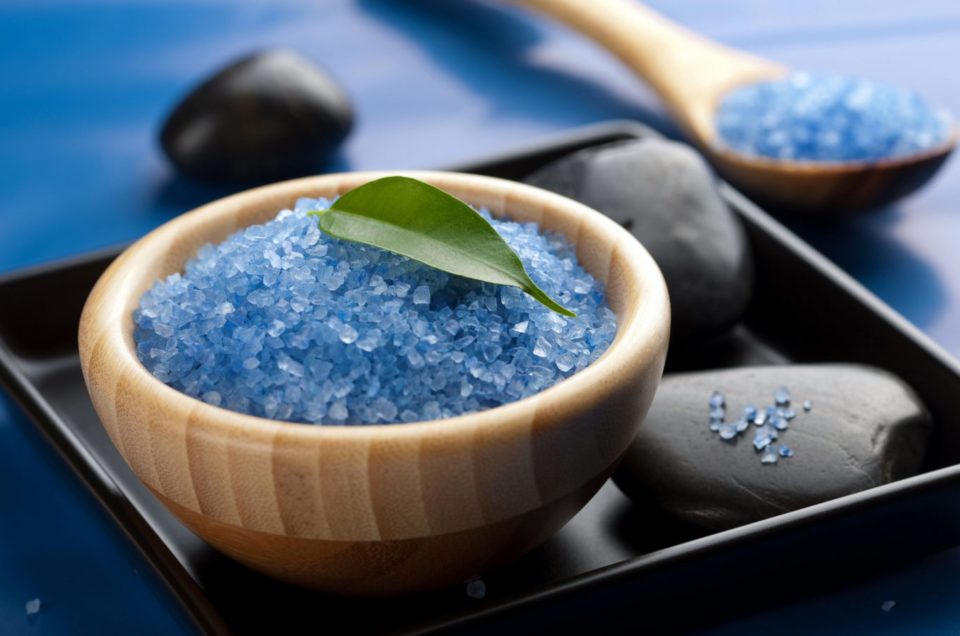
(770,422)
(826,117)
(285,322)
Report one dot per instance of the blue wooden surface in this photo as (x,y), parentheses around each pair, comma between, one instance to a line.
(434,82)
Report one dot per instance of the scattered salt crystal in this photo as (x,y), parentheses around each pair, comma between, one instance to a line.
(717,400)
(32,606)
(770,422)
(761,440)
(887,606)
(476,589)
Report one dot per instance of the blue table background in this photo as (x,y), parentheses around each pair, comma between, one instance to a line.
(434,82)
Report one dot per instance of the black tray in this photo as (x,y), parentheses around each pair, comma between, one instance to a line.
(613,562)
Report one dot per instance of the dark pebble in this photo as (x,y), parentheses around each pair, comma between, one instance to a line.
(868,428)
(268,116)
(665,194)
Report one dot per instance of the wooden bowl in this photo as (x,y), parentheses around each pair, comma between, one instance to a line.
(378,509)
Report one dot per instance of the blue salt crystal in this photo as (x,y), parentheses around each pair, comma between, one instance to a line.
(762,439)
(782,396)
(825,117)
(807,406)
(32,607)
(727,432)
(542,348)
(565,362)
(785,451)
(717,400)
(283,321)
(717,413)
(715,425)
(779,423)
(787,414)
(761,418)
(346,333)
(421,295)
(338,411)
(741,425)
(750,412)
(769,457)
(491,351)
(476,589)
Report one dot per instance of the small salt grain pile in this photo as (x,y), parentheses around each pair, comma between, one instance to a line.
(860,427)
(770,422)
(826,117)
(284,322)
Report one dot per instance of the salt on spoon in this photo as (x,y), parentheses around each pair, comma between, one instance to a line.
(706,85)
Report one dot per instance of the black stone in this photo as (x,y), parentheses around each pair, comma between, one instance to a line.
(664,193)
(267,116)
(866,428)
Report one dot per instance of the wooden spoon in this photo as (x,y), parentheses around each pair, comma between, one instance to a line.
(692,74)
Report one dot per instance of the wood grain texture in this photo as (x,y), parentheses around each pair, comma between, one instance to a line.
(692,74)
(264,491)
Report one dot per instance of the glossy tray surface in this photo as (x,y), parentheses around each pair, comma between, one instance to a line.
(612,558)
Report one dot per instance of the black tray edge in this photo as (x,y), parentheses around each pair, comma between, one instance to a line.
(825,266)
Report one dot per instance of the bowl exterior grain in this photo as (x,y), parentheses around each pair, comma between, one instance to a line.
(378,509)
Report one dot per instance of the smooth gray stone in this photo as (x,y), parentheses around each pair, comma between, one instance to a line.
(664,193)
(866,428)
(267,116)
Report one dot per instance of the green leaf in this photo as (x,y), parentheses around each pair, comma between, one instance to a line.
(412,218)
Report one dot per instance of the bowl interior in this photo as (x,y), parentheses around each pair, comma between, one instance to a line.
(633,283)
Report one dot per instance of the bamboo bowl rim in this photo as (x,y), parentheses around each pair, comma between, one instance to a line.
(107,319)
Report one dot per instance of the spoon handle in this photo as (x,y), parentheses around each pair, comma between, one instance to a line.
(689,72)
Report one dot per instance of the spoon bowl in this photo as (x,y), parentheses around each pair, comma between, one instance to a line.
(692,75)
